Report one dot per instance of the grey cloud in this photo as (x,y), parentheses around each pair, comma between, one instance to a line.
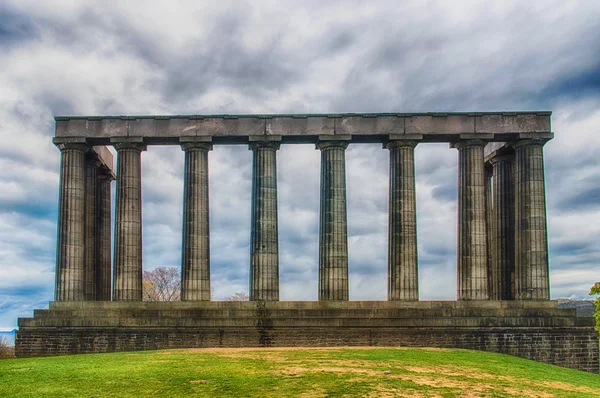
(15,27)
(589,197)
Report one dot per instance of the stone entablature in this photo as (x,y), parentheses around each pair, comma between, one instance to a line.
(299,128)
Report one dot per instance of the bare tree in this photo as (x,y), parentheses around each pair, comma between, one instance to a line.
(593,292)
(6,350)
(237,296)
(161,284)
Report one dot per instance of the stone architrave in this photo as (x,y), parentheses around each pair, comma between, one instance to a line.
(91,220)
(472,227)
(333,229)
(264,240)
(70,253)
(531,239)
(195,268)
(104,234)
(503,215)
(403,281)
(127,279)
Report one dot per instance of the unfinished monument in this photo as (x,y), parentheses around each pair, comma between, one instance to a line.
(503,298)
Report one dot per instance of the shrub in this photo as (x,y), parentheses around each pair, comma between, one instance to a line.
(596,291)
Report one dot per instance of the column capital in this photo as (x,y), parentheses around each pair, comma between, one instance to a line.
(400,144)
(532,141)
(79,143)
(76,143)
(264,141)
(502,159)
(192,143)
(328,144)
(464,143)
(92,158)
(105,174)
(264,144)
(122,143)
(198,145)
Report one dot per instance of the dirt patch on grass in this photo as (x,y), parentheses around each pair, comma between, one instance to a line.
(388,392)
(314,393)
(459,371)
(559,385)
(527,393)
(474,373)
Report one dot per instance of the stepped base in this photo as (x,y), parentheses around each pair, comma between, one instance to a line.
(535,330)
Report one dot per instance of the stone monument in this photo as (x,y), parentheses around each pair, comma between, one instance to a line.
(503,299)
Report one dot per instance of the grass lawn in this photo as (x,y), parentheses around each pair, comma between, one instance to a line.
(334,372)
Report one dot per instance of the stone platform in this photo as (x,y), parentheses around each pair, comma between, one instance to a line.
(535,330)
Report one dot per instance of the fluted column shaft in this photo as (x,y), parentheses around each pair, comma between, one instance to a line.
(127,282)
(333,229)
(91,253)
(195,267)
(531,254)
(472,226)
(104,235)
(264,241)
(489,219)
(503,258)
(70,251)
(403,282)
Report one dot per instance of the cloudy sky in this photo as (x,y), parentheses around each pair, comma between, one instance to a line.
(73,58)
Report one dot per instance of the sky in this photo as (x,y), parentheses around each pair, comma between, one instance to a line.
(115,58)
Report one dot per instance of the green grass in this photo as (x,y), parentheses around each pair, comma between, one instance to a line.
(291,372)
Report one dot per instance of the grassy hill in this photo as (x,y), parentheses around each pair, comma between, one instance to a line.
(373,372)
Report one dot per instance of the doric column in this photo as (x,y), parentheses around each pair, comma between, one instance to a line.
(104,234)
(264,245)
(403,282)
(531,254)
(70,251)
(127,281)
(333,228)
(489,220)
(195,264)
(503,216)
(472,227)
(91,179)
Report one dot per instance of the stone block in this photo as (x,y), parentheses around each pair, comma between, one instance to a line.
(361,125)
(296,125)
(440,124)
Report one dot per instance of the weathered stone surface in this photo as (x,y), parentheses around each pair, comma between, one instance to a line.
(264,239)
(534,330)
(403,282)
(195,260)
(333,224)
(306,128)
(70,251)
(361,125)
(531,239)
(503,266)
(472,226)
(128,225)
(91,225)
(300,125)
(104,234)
